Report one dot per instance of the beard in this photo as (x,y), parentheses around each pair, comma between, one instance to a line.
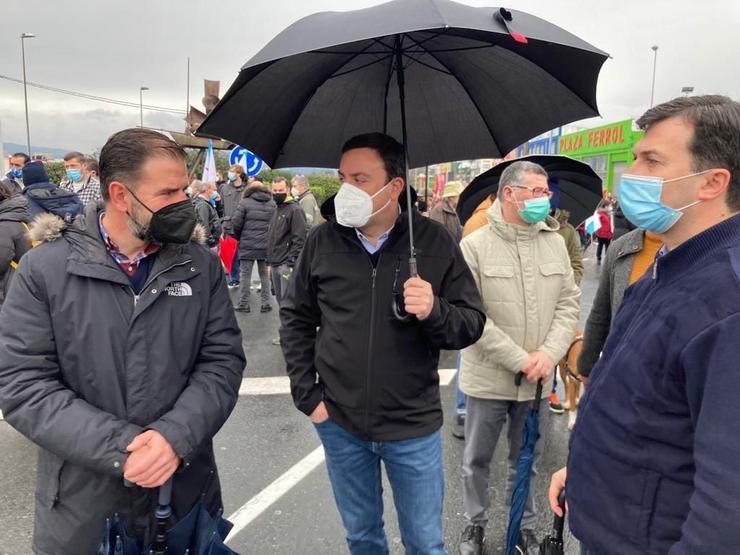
(138,229)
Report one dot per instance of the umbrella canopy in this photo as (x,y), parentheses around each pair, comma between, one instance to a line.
(523,470)
(198,533)
(465,82)
(576,186)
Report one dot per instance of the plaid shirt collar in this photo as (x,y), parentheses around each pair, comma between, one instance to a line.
(128,265)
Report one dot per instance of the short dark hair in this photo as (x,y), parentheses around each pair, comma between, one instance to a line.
(388,148)
(23,155)
(125,152)
(279,179)
(716,140)
(91,164)
(74,155)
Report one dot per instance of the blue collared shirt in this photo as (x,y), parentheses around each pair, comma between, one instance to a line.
(369,247)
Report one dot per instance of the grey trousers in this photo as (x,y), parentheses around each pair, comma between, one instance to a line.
(280,277)
(483,424)
(245,280)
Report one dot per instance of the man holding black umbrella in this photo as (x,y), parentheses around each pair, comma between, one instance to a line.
(523,271)
(120,355)
(371,334)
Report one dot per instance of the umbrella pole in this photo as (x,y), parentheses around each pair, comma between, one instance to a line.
(413,271)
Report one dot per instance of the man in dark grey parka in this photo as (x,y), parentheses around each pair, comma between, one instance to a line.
(119,353)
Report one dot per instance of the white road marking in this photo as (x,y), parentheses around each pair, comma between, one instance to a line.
(280,385)
(260,502)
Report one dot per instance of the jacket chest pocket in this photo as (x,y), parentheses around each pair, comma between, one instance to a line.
(551,276)
(498,283)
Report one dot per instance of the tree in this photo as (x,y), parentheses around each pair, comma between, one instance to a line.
(55,171)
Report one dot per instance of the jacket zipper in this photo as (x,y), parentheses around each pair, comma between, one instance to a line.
(151,280)
(371,338)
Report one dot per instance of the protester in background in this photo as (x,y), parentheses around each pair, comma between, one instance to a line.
(627,260)
(446,211)
(479,217)
(120,356)
(605,232)
(79,179)
(91,166)
(522,269)
(205,213)
(658,425)
(231,193)
(251,225)
(45,197)
(215,199)
(14,241)
(285,237)
(368,381)
(304,195)
(622,225)
(14,177)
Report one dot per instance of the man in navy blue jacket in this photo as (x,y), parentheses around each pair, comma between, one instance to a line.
(654,458)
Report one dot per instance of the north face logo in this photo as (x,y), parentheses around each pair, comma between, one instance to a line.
(179,289)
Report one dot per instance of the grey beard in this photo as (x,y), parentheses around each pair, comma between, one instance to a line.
(140,231)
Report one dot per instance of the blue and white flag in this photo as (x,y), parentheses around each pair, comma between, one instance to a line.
(209,167)
(592,224)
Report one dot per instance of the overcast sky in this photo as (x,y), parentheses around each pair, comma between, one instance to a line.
(111,48)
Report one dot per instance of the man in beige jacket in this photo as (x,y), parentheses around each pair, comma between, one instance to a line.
(523,272)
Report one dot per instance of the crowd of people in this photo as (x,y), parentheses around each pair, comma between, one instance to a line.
(129,252)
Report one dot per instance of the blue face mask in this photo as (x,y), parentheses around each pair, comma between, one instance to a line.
(16,172)
(639,196)
(74,174)
(535,210)
(213,198)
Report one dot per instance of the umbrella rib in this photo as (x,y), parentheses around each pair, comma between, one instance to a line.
(358,68)
(475,104)
(425,64)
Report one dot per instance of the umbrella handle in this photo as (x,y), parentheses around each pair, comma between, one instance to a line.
(559,521)
(538,394)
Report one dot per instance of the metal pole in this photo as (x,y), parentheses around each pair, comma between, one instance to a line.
(187,101)
(141,107)
(25,91)
(426,186)
(655,64)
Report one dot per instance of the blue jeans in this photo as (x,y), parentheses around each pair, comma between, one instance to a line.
(459,395)
(235,267)
(415,472)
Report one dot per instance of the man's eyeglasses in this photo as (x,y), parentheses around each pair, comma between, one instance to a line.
(536,191)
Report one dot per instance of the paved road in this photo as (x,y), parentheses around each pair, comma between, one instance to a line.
(271,471)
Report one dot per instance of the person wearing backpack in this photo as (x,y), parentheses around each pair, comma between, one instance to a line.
(43,196)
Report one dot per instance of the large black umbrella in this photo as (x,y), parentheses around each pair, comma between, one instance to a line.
(450,81)
(476,83)
(576,186)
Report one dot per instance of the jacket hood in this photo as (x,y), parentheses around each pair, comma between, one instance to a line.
(60,202)
(510,231)
(14,209)
(258,193)
(46,228)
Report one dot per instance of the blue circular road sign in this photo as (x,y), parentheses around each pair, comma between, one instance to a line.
(252,163)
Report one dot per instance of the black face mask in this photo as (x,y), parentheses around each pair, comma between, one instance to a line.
(279,197)
(173,223)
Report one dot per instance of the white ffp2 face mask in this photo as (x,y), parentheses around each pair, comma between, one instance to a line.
(354,207)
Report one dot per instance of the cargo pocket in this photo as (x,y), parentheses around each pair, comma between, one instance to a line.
(49,476)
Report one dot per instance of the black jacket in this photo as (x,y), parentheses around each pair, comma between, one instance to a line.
(287,234)
(14,240)
(377,375)
(207,216)
(251,223)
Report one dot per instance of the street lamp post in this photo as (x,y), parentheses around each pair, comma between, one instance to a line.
(141,105)
(25,36)
(654,48)
(687,90)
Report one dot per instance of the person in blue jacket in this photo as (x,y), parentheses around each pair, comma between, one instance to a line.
(653,464)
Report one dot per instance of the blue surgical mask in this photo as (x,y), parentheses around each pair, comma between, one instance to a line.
(639,196)
(231,176)
(535,210)
(16,172)
(213,198)
(74,174)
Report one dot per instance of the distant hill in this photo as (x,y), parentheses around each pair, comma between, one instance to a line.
(309,171)
(52,153)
